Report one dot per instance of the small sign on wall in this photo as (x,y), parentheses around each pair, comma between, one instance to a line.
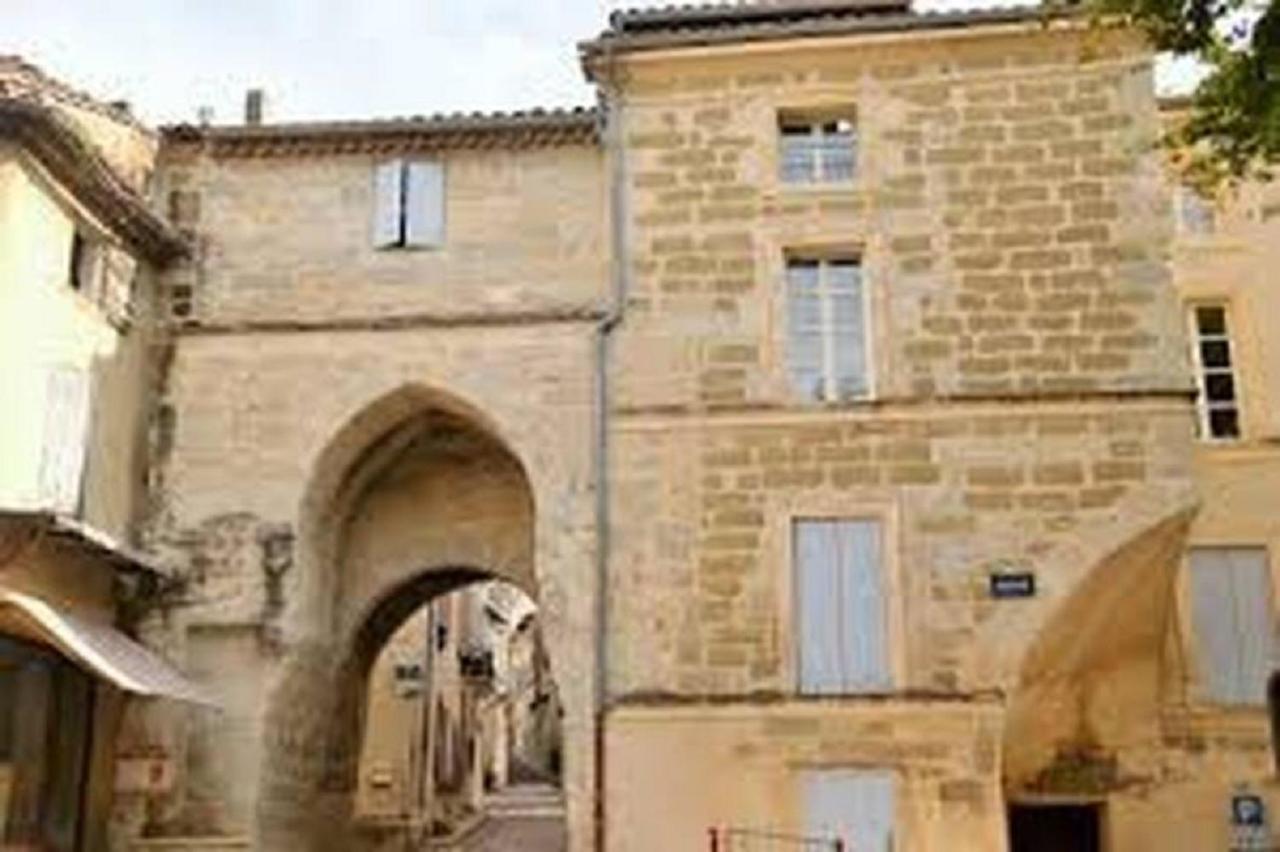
(1011,585)
(1249,830)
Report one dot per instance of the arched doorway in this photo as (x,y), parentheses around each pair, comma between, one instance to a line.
(417,499)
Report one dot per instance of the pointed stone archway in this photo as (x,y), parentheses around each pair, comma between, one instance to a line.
(417,496)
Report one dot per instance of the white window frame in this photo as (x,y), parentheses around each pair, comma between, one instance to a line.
(1203,405)
(816,126)
(830,380)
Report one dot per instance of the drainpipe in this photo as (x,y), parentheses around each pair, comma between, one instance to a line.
(614,146)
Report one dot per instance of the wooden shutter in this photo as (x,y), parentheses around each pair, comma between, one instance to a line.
(388,204)
(425,205)
(840,597)
(855,806)
(66,427)
(1232,615)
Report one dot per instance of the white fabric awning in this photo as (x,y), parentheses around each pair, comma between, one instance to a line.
(99,648)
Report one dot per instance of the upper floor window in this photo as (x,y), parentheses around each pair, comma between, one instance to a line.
(1215,370)
(409,204)
(1234,622)
(86,266)
(821,149)
(828,347)
(1196,215)
(841,610)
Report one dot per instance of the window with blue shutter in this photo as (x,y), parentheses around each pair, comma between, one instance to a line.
(841,612)
(1233,621)
(409,204)
(852,805)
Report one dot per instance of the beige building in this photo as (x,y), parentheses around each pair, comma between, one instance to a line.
(883,463)
(78,249)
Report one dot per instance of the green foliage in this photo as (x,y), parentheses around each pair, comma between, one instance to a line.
(1233,127)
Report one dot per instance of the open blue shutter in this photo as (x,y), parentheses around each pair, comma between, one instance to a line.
(863,626)
(387,204)
(818,610)
(66,427)
(855,806)
(425,205)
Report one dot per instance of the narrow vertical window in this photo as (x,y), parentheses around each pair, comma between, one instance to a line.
(842,627)
(818,151)
(850,805)
(409,204)
(1215,368)
(84,265)
(828,345)
(1233,622)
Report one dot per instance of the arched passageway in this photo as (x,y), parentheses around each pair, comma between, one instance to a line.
(417,499)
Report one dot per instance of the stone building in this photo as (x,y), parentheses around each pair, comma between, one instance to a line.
(828,389)
(78,251)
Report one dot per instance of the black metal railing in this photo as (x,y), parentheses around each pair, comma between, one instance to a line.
(763,840)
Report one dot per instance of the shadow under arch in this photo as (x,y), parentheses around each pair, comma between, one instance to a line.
(1093,678)
(418,477)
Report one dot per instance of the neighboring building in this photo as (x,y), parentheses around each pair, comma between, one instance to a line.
(78,250)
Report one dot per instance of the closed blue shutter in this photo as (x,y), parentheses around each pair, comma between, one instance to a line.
(1234,627)
(840,615)
(856,806)
(864,630)
(817,568)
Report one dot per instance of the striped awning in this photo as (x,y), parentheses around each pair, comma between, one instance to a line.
(98,648)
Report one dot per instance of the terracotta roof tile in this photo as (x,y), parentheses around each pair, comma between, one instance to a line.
(522,129)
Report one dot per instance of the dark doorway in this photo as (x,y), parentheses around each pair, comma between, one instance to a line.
(1055,828)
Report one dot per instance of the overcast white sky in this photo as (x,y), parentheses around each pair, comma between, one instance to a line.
(316,58)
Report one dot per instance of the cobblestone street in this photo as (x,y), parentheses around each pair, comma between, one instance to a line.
(521,834)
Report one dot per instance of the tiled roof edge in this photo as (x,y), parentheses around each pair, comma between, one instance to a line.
(853,22)
(523,129)
(78,166)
